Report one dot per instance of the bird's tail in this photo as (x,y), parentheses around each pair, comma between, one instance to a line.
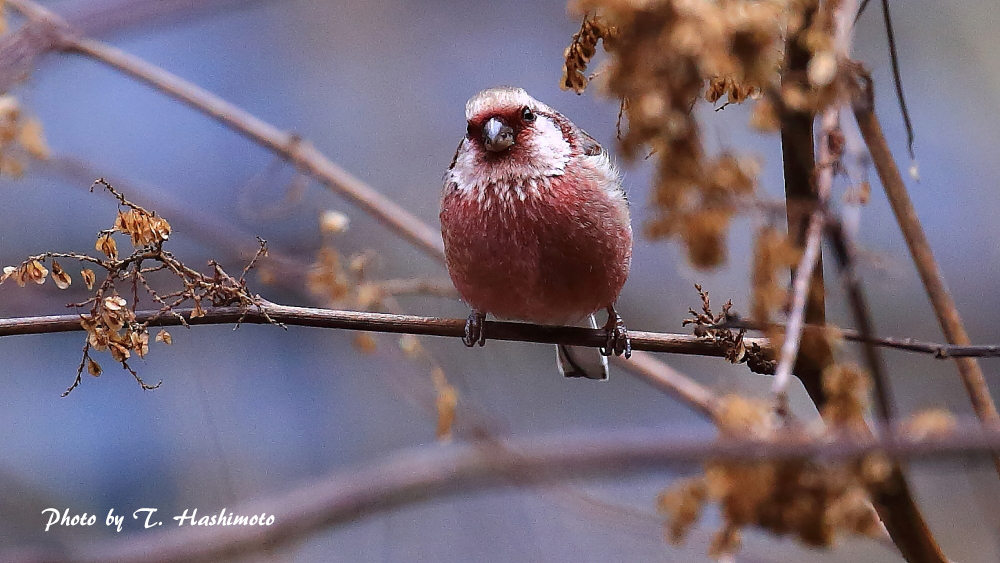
(574,361)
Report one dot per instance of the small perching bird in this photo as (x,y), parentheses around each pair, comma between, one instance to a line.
(536,225)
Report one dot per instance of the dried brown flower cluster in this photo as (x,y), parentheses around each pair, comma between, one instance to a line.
(661,55)
(812,501)
(20,136)
(736,351)
(111,321)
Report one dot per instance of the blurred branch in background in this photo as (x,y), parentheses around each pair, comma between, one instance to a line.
(104,17)
(199,224)
(56,34)
(923,257)
(432,472)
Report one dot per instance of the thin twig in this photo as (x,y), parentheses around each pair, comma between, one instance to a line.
(923,257)
(433,472)
(843,250)
(807,264)
(667,379)
(894,502)
(105,17)
(384,322)
(897,79)
(938,350)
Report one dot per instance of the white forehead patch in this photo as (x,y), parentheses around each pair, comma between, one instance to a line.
(495,99)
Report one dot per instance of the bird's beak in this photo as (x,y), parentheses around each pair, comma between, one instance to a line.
(497,136)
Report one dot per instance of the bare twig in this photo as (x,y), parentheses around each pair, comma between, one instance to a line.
(432,472)
(807,265)
(843,249)
(416,286)
(923,257)
(103,17)
(384,322)
(938,350)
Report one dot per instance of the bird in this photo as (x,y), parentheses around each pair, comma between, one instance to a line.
(536,225)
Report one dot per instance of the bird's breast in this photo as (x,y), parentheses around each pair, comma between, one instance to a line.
(551,249)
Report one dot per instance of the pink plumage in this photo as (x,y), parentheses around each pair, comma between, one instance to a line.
(535,223)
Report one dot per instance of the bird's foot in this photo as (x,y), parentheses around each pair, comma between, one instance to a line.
(475,332)
(618,342)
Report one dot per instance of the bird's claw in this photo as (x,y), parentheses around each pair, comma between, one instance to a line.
(618,342)
(475,332)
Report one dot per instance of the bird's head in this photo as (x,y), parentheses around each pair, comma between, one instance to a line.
(507,125)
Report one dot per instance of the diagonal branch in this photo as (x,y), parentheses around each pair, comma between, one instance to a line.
(434,472)
(288,145)
(923,257)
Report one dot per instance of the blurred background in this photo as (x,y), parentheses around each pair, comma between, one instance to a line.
(379,86)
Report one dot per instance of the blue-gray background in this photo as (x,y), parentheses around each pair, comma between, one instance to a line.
(379,86)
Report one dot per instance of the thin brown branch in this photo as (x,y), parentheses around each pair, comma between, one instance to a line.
(667,379)
(923,257)
(811,257)
(434,472)
(416,286)
(895,503)
(104,17)
(938,350)
(267,312)
(843,250)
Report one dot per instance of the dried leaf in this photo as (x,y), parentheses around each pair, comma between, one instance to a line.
(8,271)
(88,277)
(118,352)
(445,402)
(164,337)
(35,271)
(930,423)
(197,311)
(107,246)
(93,368)
(368,295)
(140,342)
(60,277)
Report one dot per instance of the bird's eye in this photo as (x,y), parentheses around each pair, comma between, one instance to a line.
(527,115)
